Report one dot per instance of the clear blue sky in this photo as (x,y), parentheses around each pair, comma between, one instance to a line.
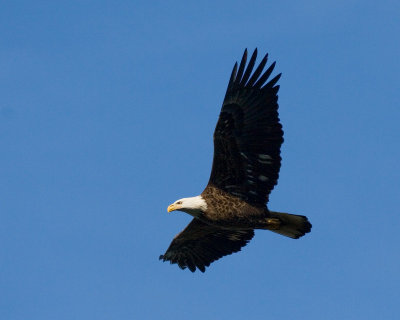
(107,110)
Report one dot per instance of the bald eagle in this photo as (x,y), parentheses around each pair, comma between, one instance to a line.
(246,163)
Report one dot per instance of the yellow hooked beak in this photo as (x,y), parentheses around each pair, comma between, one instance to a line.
(171,207)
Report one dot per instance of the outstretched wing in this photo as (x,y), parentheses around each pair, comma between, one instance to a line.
(199,244)
(248,135)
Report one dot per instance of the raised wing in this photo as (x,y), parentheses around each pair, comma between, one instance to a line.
(199,244)
(248,135)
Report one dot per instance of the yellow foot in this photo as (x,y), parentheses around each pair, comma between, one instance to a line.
(273,223)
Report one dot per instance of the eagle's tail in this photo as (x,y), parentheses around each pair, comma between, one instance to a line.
(290,225)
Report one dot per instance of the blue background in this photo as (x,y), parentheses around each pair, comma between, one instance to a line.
(107,110)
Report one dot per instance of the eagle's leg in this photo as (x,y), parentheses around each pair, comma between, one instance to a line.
(289,225)
(273,224)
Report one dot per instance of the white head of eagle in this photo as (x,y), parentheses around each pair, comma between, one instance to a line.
(195,206)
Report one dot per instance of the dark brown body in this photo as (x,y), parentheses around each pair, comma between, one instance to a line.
(230,212)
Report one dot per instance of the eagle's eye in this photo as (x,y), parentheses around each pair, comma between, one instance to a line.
(179,202)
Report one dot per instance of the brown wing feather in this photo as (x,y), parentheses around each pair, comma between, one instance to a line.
(199,244)
(248,135)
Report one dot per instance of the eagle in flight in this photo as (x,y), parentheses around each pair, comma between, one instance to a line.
(247,142)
